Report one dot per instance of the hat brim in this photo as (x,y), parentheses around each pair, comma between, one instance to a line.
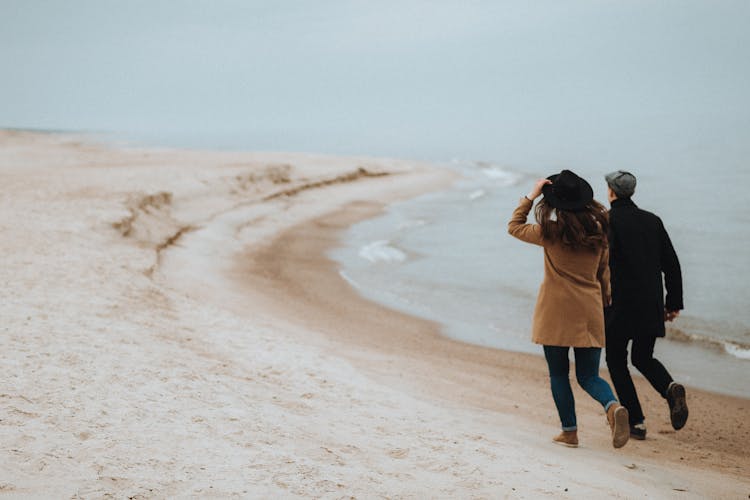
(587,194)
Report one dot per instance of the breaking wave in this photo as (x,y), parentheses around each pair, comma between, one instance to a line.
(500,175)
(381,251)
(733,348)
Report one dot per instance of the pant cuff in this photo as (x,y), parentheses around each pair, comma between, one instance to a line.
(613,402)
(568,429)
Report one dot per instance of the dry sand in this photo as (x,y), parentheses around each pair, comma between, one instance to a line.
(172,327)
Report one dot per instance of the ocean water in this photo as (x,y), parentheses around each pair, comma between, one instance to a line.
(447,257)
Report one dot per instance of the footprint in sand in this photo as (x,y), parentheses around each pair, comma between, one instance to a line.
(399,453)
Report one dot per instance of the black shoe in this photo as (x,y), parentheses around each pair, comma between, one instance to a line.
(638,431)
(678,410)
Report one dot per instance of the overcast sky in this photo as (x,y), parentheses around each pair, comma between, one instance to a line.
(431,79)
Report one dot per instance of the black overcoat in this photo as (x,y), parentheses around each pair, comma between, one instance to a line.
(640,252)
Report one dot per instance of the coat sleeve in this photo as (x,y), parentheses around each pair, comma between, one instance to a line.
(517,227)
(602,274)
(670,266)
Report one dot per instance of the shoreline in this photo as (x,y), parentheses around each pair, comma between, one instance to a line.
(411,353)
(146,361)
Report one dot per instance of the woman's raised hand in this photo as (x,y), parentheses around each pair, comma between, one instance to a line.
(537,189)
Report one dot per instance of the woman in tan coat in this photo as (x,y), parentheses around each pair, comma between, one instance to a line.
(572,229)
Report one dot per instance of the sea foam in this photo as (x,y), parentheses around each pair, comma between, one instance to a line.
(501,176)
(476,194)
(381,251)
(407,224)
(736,350)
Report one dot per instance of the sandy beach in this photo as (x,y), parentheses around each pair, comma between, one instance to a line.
(173,327)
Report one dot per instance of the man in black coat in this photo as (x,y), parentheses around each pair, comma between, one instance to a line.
(640,251)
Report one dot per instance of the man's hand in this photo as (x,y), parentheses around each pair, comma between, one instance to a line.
(670,315)
(537,189)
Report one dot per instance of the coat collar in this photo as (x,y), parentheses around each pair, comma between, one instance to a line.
(623,202)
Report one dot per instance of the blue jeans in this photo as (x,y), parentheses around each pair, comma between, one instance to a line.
(587,374)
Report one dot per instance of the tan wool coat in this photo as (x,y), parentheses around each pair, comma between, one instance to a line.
(569,310)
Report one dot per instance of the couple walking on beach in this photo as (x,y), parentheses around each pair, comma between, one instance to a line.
(585,249)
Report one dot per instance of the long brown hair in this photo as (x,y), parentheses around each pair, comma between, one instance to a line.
(583,229)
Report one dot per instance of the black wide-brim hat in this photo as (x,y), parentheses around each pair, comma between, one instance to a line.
(568,191)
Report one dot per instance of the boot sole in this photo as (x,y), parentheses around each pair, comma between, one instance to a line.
(678,413)
(621,429)
(569,445)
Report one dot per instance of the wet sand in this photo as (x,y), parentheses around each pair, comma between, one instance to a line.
(410,353)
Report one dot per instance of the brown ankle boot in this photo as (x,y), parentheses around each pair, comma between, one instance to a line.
(567,438)
(617,416)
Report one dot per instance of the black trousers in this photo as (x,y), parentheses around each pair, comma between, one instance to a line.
(643,359)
